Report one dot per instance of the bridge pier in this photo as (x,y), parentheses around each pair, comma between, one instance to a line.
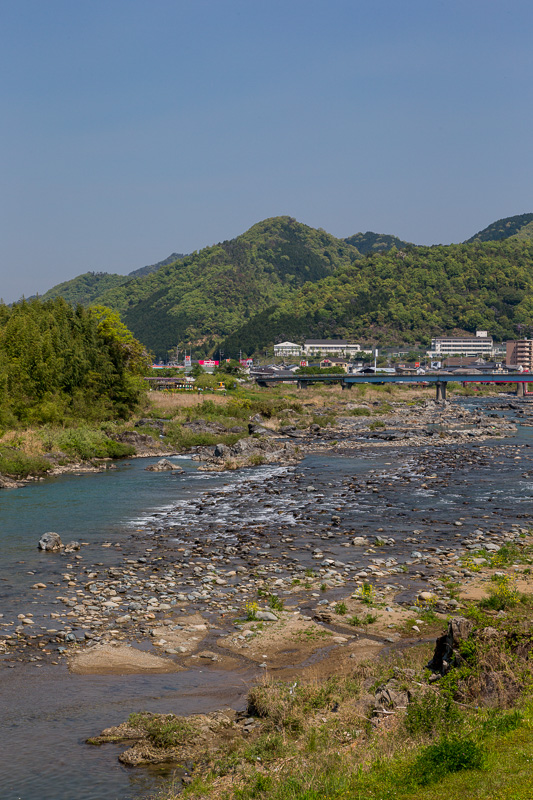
(520,390)
(345,385)
(441,391)
(302,384)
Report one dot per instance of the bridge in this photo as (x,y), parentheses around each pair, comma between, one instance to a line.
(441,380)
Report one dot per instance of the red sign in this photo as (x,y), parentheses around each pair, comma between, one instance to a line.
(303,363)
(208,362)
(417,363)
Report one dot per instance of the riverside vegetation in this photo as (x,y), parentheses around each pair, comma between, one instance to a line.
(66,377)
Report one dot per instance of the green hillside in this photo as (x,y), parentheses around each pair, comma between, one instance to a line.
(370,242)
(139,273)
(284,280)
(518,227)
(85,289)
(406,296)
(208,295)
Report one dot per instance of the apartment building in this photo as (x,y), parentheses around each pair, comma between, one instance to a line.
(520,354)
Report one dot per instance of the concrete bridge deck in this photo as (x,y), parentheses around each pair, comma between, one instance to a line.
(440,379)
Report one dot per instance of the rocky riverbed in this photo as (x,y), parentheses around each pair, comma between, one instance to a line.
(267,571)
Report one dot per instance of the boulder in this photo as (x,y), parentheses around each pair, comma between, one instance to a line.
(50,542)
(259,430)
(71,546)
(164,465)
(266,616)
(222,451)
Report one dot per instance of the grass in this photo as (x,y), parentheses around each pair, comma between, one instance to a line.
(162,730)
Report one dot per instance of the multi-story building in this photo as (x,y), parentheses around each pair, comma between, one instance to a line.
(478,345)
(330,347)
(520,354)
(287,349)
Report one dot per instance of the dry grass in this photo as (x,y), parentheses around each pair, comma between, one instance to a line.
(165,402)
(28,441)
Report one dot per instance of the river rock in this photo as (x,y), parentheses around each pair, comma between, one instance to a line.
(164,465)
(266,616)
(50,542)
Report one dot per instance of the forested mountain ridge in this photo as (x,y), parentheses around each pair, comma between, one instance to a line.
(407,296)
(208,295)
(370,242)
(517,227)
(285,280)
(85,289)
(90,286)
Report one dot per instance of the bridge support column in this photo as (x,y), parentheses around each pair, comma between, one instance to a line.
(441,391)
(302,384)
(520,390)
(346,385)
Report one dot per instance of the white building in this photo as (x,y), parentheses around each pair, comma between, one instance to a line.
(479,345)
(330,347)
(287,349)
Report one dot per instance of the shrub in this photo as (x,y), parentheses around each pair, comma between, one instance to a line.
(15,464)
(430,712)
(448,755)
(502,596)
(341,609)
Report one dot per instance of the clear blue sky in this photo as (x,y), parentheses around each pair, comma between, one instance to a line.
(135,128)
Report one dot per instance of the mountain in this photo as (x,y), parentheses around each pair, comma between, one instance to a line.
(208,295)
(370,242)
(285,280)
(404,297)
(139,273)
(85,289)
(518,227)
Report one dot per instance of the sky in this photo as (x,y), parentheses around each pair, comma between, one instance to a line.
(132,129)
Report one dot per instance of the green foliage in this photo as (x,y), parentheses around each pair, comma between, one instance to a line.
(505,228)
(449,755)
(282,279)
(407,296)
(15,464)
(502,595)
(275,602)
(341,609)
(86,443)
(58,363)
(369,242)
(163,730)
(208,295)
(431,712)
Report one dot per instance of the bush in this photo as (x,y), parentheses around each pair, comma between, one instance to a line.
(448,755)
(86,444)
(429,713)
(15,464)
